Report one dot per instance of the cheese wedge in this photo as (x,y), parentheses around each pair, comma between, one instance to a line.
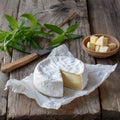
(112,46)
(93,39)
(72,80)
(91,45)
(102,41)
(104,49)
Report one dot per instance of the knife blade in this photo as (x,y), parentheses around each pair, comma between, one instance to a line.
(24,60)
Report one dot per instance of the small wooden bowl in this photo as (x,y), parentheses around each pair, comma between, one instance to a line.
(98,54)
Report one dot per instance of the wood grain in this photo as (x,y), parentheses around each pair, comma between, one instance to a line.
(105,18)
(84,108)
(6,7)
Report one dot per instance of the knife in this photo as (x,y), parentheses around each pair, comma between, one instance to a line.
(24,60)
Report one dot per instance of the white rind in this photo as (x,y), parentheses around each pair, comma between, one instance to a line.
(47,80)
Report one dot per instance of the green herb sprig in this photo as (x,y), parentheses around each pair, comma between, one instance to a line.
(22,34)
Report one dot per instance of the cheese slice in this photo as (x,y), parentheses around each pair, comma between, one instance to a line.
(48,78)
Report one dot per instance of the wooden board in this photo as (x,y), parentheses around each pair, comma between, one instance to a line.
(105,18)
(19,106)
(6,7)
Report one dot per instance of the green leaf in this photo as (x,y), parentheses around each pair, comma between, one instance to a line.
(57,40)
(34,44)
(13,23)
(72,28)
(31,18)
(23,22)
(42,34)
(54,28)
(19,48)
(2,36)
(74,36)
(39,25)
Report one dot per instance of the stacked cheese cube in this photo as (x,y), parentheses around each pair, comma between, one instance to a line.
(100,44)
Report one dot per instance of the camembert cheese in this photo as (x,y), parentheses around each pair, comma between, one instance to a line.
(53,73)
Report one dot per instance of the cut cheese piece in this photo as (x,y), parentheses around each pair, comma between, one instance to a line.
(97,48)
(104,49)
(48,79)
(93,39)
(102,41)
(72,80)
(91,45)
(112,46)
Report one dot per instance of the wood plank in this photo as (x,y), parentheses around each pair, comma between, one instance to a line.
(84,108)
(105,18)
(6,6)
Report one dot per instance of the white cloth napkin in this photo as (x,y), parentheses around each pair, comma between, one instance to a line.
(97,74)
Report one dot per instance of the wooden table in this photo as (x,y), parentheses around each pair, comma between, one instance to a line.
(93,16)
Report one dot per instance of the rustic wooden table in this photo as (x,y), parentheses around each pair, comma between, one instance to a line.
(93,16)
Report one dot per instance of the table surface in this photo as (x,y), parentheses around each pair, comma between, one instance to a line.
(93,16)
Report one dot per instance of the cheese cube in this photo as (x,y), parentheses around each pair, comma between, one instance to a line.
(112,46)
(104,49)
(102,41)
(97,48)
(91,45)
(93,39)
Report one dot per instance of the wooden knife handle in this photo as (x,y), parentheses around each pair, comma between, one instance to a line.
(19,63)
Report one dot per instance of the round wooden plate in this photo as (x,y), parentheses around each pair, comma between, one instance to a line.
(98,54)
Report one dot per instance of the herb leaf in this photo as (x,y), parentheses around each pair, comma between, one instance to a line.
(57,40)
(23,22)
(54,28)
(72,28)
(13,23)
(74,36)
(31,18)
(34,44)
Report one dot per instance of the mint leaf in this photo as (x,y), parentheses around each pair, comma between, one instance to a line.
(34,44)
(57,40)
(74,36)
(42,34)
(23,22)
(72,28)
(2,36)
(13,23)
(54,28)
(31,18)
